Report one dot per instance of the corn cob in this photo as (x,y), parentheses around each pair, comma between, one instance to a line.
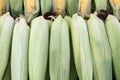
(101,51)
(81,48)
(2,7)
(84,6)
(59,50)
(7,74)
(46,6)
(71,6)
(19,53)
(16,7)
(100,4)
(73,72)
(38,48)
(59,6)
(5,41)
(32,8)
(113,31)
(115,4)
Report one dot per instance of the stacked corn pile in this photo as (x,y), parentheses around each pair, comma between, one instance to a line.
(59,39)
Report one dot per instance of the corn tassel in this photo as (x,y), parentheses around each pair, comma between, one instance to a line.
(100,4)
(81,48)
(16,7)
(2,7)
(115,4)
(38,48)
(46,6)
(113,31)
(5,41)
(19,53)
(84,6)
(101,51)
(59,50)
(71,6)
(73,72)
(32,8)
(59,6)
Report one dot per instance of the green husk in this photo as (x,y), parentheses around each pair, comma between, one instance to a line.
(81,48)
(38,49)
(100,47)
(19,53)
(113,32)
(100,4)
(71,7)
(6,30)
(7,74)
(46,6)
(16,7)
(59,50)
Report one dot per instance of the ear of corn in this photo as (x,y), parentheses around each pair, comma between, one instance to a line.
(19,53)
(16,7)
(71,6)
(101,51)
(59,6)
(115,4)
(38,49)
(59,50)
(32,8)
(5,42)
(113,31)
(84,6)
(100,4)
(2,7)
(73,72)
(81,48)
(7,74)
(46,6)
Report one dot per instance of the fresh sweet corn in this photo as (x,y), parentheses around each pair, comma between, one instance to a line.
(100,47)
(81,48)
(38,48)
(6,30)
(2,7)
(32,8)
(19,51)
(113,32)
(84,6)
(59,58)
(16,7)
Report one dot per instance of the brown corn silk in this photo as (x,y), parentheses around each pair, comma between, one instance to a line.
(84,6)
(60,4)
(116,2)
(31,5)
(2,6)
